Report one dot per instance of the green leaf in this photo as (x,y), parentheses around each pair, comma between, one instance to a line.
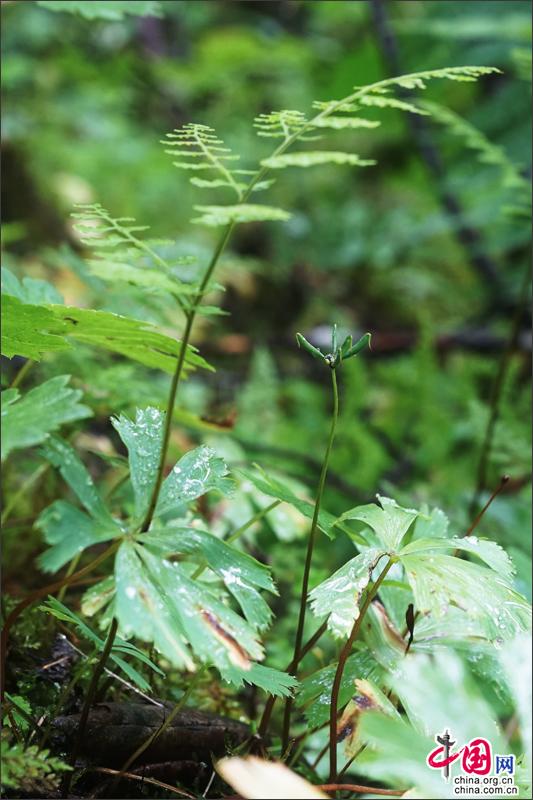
(339,596)
(98,596)
(383,101)
(69,531)
(30,290)
(340,123)
(113,10)
(214,216)
(390,522)
(275,488)
(30,330)
(30,420)
(203,150)
(310,159)
(117,271)
(241,574)
(63,456)
(143,438)
(197,472)
(129,337)
(314,694)
(157,601)
(367,697)
(442,581)
(314,351)
(491,553)
(144,611)
(273,681)
(515,659)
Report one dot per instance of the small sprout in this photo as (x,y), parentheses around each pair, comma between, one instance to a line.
(338,354)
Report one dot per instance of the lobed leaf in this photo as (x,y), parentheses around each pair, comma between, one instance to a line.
(338,597)
(30,330)
(30,420)
(390,522)
(197,472)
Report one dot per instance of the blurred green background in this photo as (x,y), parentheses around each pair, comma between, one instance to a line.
(427,250)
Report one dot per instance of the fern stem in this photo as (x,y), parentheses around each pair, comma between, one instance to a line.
(309,555)
(91,693)
(345,652)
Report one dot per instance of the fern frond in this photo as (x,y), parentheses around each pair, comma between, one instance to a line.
(215,216)
(119,251)
(282,125)
(473,138)
(309,159)
(199,148)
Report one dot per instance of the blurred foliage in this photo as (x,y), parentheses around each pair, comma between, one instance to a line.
(86,102)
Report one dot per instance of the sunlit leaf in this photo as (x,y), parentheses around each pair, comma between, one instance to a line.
(248,776)
(197,472)
(214,216)
(310,159)
(489,552)
(30,330)
(112,10)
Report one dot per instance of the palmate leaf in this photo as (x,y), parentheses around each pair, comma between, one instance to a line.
(29,290)
(390,522)
(440,581)
(29,420)
(197,472)
(273,681)
(112,10)
(215,216)
(158,602)
(490,552)
(63,456)
(275,488)
(120,647)
(339,596)
(30,330)
(67,529)
(242,575)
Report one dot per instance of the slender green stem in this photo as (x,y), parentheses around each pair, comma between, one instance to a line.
(21,374)
(271,702)
(91,693)
(191,312)
(309,554)
(256,518)
(35,475)
(345,652)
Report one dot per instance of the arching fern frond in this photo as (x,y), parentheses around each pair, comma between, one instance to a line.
(199,148)
(473,138)
(214,216)
(338,114)
(122,256)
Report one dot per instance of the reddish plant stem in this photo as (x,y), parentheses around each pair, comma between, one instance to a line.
(345,652)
